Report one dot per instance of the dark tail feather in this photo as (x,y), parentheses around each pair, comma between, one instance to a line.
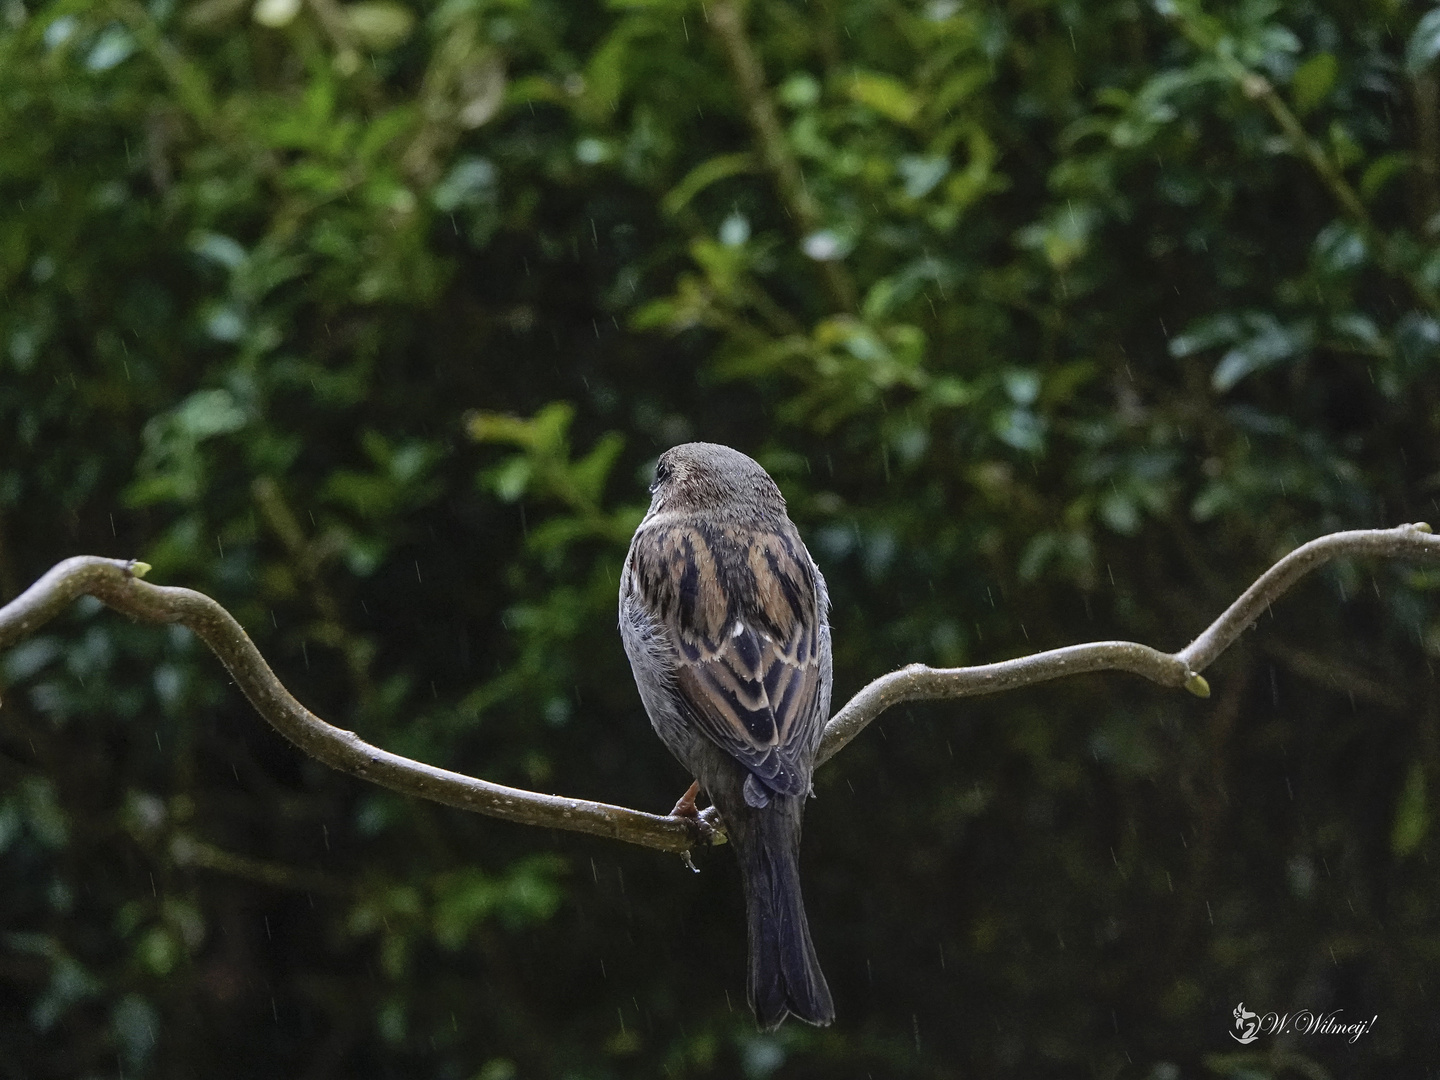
(785,976)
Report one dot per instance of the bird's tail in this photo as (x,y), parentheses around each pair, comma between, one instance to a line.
(785,976)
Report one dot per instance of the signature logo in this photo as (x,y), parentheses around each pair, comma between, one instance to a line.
(1249,1026)
(1248,1023)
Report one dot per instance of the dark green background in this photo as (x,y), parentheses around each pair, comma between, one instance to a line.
(369,320)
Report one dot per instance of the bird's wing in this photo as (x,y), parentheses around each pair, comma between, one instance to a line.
(742,608)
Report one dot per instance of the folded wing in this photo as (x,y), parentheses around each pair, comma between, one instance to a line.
(742,609)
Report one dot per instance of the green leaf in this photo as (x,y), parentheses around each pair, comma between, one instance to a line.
(158,951)
(470,182)
(207,413)
(1064,235)
(799,91)
(1360,327)
(136,1027)
(1020,428)
(220,249)
(1340,247)
(114,47)
(588,475)
(1412,815)
(275,14)
(1424,44)
(885,95)
(1381,171)
(921,173)
(612,66)
(1205,334)
(379,25)
(1343,145)
(1120,513)
(1270,342)
(29,658)
(1313,81)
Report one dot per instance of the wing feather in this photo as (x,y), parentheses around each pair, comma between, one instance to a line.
(743,609)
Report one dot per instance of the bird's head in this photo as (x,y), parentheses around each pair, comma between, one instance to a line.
(713,479)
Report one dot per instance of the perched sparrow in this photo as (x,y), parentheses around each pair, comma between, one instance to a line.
(723,614)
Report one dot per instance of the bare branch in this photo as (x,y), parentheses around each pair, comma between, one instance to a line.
(920,683)
(118,584)
(1413,541)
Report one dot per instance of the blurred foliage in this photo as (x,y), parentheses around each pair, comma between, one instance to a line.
(1054,321)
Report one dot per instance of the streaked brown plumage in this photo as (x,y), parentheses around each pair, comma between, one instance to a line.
(723,615)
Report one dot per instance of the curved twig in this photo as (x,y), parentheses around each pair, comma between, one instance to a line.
(117,583)
(920,683)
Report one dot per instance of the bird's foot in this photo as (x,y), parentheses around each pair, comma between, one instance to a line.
(712,826)
(707,826)
(686,806)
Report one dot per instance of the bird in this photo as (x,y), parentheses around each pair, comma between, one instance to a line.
(725,620)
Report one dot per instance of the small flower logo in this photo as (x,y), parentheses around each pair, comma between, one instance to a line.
(1248,1023)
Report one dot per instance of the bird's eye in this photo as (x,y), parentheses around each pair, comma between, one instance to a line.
(662,473)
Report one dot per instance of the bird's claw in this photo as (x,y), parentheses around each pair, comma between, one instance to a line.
(707,826)
(712,826)
(686,806)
